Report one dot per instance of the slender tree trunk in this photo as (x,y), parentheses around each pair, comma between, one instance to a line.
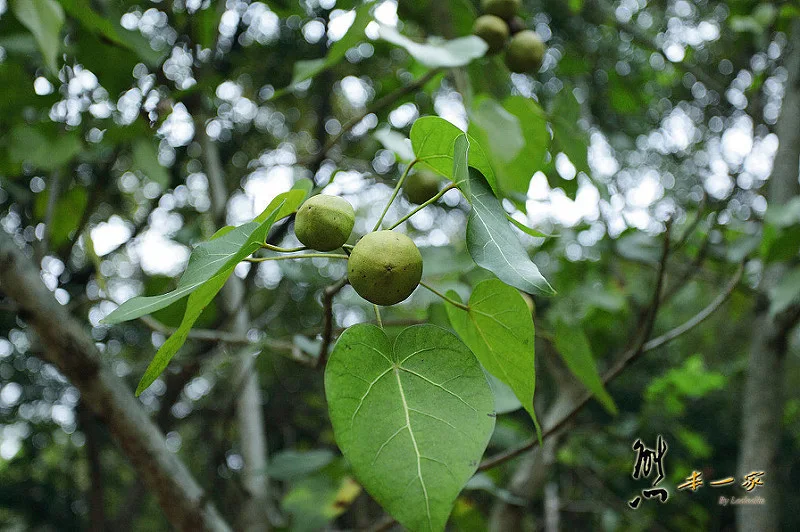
(249,412)
(531,475)
(762,406)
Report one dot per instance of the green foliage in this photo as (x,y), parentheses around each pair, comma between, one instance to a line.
(433,141)
(435,53)
(44,19)
(490,240)
(220,254)
(498,328)
(574,347)
(412,419)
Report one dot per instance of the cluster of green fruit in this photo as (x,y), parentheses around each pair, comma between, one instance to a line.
(384,267)
(525,50)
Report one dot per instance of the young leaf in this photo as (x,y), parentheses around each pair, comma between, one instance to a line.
(433,138)
(223,252)
(438,54)
(44,19)
(413,420)
(572,344)
(490,240)
(498,328)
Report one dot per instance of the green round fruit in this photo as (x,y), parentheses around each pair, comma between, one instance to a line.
(385,267)
(504,9)
(493,30)
(324,222)
(421,186)
(525,52)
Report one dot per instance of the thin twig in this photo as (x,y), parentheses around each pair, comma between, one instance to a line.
(327,320)
(423,205)
(394,193)
(625,361)
(303,256)
(283,250)
(451,301)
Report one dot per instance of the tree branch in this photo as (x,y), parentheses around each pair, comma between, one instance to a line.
(74,353)
(625,361)
(327,323)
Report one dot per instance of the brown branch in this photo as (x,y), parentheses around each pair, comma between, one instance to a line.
(70,349)
(625,361)
(327,317)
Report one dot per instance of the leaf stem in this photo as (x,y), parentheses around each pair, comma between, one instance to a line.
(378,316)
(394,193)
(282,250)
(303,256)
(423,205)
(451,301)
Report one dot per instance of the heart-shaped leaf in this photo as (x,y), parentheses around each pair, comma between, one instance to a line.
(433,139)
(490,240)
(498,328)
(413,420)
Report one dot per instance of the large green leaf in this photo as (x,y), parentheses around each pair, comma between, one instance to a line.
(433,139)
(210,258)
(498,328)
(490,240)
(516,134)
(413,420)
(438,53)
(572,344)
(44,19)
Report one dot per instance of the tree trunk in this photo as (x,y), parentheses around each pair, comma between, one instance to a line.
(249,414)
(70,349)
(762,406)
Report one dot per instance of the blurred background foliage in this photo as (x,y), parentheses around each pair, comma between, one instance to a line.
(653,112)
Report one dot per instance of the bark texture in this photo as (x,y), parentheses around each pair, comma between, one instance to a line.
(69,348)
(762,405)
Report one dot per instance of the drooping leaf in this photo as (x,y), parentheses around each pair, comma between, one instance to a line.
(198,300)
(573,346)
(490,240)
(209,258)
(433,139)
(438,53)
(412,419)
(44,19)
(498,328)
